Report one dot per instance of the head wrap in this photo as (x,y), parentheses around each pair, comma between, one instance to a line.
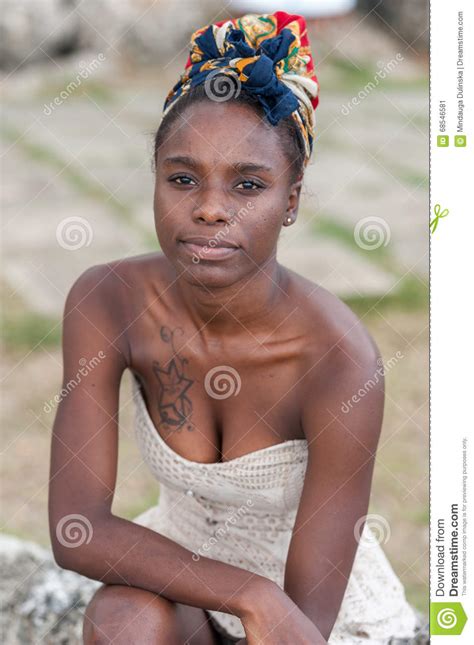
(269,55)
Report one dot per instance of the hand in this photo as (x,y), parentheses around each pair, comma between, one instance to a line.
(274,619)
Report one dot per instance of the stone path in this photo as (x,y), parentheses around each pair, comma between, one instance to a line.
(78,185)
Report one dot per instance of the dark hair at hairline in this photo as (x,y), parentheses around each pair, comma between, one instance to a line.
(290,136)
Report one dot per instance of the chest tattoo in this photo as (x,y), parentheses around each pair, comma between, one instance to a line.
(174,405)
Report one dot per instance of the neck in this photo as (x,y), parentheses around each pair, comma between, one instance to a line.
(250,302)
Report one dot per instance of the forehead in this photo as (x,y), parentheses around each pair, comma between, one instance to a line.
(224,133)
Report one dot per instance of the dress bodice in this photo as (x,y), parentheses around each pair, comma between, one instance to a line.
(242,512)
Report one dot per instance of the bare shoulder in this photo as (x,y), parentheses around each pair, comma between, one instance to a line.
(113,284)
(101,300)
(344,365)
(338,340)
(114,278)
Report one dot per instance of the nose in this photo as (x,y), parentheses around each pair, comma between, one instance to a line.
(210,208)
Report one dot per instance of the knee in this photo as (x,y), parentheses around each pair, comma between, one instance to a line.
(121,614)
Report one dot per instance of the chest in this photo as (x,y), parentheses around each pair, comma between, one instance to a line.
(217,403)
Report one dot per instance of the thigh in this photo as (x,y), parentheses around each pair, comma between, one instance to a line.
(124,615)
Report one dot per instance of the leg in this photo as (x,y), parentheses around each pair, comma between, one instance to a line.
(123,615)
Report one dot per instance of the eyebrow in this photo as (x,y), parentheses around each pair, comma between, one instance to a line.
(240,166)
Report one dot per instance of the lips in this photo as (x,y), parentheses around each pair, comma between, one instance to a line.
(210,242)
(207,248)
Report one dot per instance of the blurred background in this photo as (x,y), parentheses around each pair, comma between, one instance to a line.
(83,85)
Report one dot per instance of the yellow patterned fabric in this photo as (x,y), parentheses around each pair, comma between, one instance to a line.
(268,54)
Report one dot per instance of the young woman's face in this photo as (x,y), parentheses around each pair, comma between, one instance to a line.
(222,193)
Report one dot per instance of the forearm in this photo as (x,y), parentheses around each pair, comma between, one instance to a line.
(320,611)
(125,553)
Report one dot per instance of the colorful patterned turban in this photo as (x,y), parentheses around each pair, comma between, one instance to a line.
(269,55)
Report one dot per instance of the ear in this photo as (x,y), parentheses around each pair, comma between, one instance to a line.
(293,202)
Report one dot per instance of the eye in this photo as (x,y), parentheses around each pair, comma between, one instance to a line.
(249,184)
(181,180)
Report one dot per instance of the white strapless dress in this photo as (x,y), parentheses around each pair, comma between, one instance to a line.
(242,512)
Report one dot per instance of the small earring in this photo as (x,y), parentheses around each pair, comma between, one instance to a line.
(288,220)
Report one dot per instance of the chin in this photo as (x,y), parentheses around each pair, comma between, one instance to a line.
(211,275)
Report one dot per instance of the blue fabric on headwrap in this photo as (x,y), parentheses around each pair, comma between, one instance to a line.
(277,69)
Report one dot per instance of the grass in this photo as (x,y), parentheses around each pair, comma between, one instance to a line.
(342,75)
(97,91)
(407,175)
(411,293)
(329,226)
(30,331)
(23,329)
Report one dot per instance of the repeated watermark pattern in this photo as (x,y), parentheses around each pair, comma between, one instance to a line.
(370,233)
(236,218)
(86,367)
(371,382)
(222,381)
(384,70)
(86,69)
(76,534)
(73,233)
(74,530)
(377,530)
(219,533)
(220,87)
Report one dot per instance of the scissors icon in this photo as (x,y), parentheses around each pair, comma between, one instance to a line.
(438,215)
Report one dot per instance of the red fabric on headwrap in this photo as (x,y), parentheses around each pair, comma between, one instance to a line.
(269,55)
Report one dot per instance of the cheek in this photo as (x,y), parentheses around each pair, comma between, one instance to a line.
(165,224)
(261,236)
(168,210)
(264,224)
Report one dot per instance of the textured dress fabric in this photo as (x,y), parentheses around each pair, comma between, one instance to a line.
(242,512)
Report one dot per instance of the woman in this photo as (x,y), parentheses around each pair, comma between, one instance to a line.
(239,369)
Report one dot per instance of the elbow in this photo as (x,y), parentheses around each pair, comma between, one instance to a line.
(62,558)
(77,543)
(72,558)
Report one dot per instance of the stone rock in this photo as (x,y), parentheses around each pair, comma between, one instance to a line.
(39,602)
(407,18)
(31,31)
(422,632)
(146,31)
(142,30)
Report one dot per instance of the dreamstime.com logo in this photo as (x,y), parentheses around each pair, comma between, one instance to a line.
(221,86)
(73,233)
(220,532)
(86,69)
(222,381)
(447,618)
(383,368)
(372,530)
(384,70)
(74,530)
(236,218)
(370,233)
(86,366)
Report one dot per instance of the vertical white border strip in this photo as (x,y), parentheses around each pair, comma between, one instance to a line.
(452,321)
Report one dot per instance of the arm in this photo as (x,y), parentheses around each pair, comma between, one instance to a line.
(84,468)
(338,478)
